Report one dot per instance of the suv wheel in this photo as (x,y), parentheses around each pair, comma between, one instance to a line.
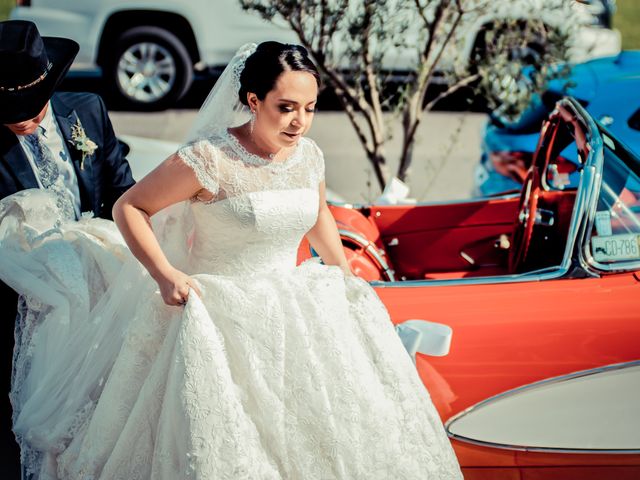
(149,68)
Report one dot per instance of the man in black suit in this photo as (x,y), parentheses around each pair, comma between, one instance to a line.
(63,142)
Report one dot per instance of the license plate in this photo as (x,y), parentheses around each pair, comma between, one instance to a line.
(616,247)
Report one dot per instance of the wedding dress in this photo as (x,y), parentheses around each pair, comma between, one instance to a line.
(277,371)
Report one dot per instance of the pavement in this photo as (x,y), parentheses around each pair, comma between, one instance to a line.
(446,151)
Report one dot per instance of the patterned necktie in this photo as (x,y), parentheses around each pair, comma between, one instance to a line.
(49,173)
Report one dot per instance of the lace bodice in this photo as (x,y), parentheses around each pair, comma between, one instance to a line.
(260,209)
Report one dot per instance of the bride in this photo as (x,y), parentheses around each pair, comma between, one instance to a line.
(220,358)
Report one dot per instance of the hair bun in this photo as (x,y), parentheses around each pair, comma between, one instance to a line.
(268,62)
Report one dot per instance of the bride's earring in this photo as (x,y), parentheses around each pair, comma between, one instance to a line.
(252,122)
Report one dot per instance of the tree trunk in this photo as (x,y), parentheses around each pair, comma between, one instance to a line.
(406,158)
(380,168)
(410,121)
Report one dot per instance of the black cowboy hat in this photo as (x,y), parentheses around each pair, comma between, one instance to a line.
(31,67)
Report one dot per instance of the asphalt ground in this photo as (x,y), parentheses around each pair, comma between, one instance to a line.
(446,152)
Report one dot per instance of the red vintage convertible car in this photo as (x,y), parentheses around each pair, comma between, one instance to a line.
(542,292)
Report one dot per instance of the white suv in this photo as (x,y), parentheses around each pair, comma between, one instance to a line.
(148,50)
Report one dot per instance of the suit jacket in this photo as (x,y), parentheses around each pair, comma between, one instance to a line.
(105,175)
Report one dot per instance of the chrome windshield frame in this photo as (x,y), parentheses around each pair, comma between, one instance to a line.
(586,259)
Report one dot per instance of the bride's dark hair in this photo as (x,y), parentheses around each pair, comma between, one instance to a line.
(268,62)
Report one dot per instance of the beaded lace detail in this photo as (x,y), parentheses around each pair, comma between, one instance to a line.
(255,159)
(226,169)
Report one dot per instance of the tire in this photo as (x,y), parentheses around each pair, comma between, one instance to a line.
(155,84)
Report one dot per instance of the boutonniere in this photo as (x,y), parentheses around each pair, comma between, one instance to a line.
(81,142)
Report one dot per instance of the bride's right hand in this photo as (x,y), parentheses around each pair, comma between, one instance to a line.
(174,287)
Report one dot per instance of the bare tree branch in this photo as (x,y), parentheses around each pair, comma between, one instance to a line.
(421,13)
(443,45)
(452,89)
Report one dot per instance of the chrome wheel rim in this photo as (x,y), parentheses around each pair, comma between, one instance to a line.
(146,72)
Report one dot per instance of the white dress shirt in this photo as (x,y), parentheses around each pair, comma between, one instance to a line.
(55,142)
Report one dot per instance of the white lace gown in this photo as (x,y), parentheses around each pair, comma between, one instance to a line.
(276,372)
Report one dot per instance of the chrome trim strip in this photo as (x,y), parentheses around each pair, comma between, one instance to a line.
(426,204)
(584,197)
(372,250)
(618,267)
(536,276)
(517,390)
(518,448)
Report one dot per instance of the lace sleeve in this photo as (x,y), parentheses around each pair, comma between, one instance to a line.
(201,156)
(317,161)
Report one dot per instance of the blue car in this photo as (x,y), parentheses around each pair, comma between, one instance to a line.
(608,87)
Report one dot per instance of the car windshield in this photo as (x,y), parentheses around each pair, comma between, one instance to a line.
(615,236)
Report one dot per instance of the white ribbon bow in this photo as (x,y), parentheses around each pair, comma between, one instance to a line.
(428,338)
